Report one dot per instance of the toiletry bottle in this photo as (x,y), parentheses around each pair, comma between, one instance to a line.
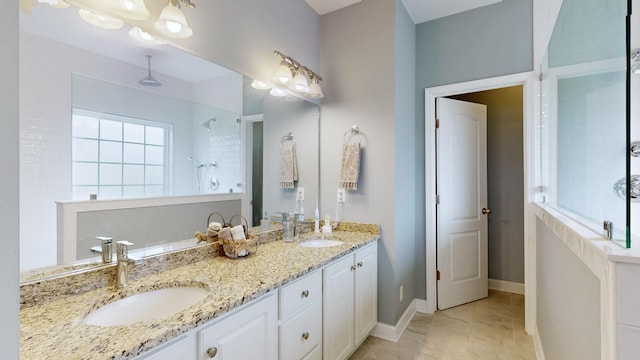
(265,223)
(287,228)
(326,228)
(316,219)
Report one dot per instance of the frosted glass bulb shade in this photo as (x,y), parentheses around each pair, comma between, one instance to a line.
(130,9)
(299,83)
(315,91)
(143,36)
(635,68)
(173,23)
(277,92)
(100,20)
(260,85)
(283,74)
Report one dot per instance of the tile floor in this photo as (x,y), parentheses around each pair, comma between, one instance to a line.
(491,328)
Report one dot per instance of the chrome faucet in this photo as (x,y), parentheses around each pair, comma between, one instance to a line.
(105,248)
(124,261)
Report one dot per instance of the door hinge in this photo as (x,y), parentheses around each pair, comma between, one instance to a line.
(437,275)
(437,199)
(437,123)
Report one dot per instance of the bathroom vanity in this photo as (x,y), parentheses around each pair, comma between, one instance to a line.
(284,302)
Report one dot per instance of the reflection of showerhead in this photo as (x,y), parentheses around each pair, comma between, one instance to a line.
(195,161)
(207,124)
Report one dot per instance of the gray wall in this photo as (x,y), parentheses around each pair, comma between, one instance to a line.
(408,238)
(567,300)
(485,42)
(369,68)
(9,188)
(358,65)
(505,180)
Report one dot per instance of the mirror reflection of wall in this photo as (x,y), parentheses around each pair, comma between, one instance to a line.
(59,82)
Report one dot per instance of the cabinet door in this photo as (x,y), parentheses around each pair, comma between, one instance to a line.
(338,312)
(249,334)
(182,348)
(366,291)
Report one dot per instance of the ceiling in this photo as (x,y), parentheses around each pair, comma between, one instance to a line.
(419,10)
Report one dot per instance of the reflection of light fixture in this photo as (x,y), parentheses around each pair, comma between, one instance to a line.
(55,3)
(277,92)
(635,61)
(143,36)
(300,82)
(108,14)
(100,20)
(260,85)
(172,21)
(149,80)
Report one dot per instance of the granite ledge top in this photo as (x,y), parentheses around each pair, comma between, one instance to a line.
(54,328)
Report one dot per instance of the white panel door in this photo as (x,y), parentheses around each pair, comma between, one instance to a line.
(338,328)
(462,212)
(366,291)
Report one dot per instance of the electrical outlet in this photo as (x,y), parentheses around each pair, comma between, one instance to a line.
(401,293)
(341,195)
(300,194)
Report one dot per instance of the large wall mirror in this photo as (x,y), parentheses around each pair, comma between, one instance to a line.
(95,138)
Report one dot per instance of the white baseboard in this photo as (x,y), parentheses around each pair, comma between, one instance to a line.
(537,344)
(393,333)
(506,286)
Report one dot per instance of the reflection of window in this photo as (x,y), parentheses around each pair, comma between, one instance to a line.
(117,157)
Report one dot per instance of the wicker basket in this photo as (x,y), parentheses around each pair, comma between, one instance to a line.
(239,248)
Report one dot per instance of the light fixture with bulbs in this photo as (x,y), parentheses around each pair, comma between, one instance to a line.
(293,76)
(635,61)
(114,14)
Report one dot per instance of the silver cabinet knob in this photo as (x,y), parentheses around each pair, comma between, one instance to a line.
(486,211)
(359,263)
(305,336)
(353,268)
(212,352)
(305,293)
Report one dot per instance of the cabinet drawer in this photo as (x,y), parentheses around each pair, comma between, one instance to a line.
(298,294)
(300,334)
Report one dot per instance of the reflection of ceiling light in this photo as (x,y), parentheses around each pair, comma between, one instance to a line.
(55,3)
(635,61)
(100,20)
(143,36)
(260,85)
(173,23)
(277,92)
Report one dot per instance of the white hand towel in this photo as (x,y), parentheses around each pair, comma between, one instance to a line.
(215,226)
(237,232)
(288,167)
(350,170)
(225,234)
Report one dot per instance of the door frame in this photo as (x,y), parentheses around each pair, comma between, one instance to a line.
(529,82)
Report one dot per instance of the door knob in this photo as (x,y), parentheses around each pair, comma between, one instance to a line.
(486,211)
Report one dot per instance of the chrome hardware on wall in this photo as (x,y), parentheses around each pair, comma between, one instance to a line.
(620,187)
(608,229)
(486,211)
(213,184)
(635,149)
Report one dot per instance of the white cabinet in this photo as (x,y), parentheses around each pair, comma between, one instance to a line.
(350,292)
(300,328)
(184,347)
(249,334)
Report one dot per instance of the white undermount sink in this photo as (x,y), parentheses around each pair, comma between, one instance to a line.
(146,306)
(320,243)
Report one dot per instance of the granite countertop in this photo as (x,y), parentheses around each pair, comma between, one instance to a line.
(53,329)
